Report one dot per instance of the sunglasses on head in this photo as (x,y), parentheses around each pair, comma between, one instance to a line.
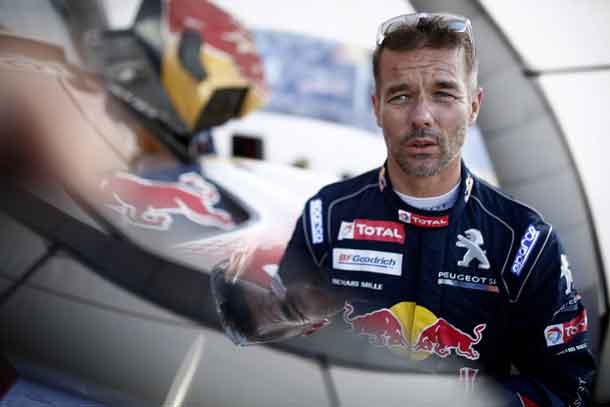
(451,21)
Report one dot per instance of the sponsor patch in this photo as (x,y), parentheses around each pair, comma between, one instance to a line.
(566,274)
(527,244)
(572,349)
(357,283)
(558,334)
(554,335)
(382,326)
(423,221)
(365,229)
(442,337)
(415,332)
(468,281)
(472,240)
(315,216)
(368,260)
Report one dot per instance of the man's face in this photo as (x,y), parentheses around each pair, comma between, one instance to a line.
(424,106)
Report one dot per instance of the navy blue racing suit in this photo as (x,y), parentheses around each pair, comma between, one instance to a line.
(482,288)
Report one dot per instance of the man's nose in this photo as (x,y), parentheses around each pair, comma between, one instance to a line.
(421,115)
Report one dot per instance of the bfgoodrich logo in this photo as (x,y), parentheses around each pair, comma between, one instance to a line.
(368,260)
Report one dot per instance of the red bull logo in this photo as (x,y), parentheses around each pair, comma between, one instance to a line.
(381,326)
(441,338)
(414,332)
(152,204)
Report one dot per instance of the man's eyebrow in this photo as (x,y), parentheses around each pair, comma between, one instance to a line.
(448,84)
(401,87)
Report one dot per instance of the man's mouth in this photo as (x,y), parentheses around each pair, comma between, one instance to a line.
(421,146)
(419,142)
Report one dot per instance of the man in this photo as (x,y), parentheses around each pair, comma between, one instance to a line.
(466,278)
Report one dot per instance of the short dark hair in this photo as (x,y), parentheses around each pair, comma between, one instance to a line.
(429,33)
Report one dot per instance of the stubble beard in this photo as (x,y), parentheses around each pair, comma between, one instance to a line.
(425,165)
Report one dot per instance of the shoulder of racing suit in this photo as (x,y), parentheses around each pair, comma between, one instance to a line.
(315,219)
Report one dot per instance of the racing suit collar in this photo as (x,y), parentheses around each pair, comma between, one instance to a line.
(426,218)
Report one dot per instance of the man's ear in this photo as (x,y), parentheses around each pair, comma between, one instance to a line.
(475,106)
(375,102)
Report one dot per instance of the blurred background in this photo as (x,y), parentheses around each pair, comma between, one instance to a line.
(113,109)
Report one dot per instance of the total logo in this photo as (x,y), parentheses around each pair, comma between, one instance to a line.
(423,221)
(414,332)
(365,229)
(563,333)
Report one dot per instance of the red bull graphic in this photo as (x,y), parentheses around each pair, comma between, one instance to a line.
(150,204)
(414,331)
(381,326)
(441,338)
(220,31)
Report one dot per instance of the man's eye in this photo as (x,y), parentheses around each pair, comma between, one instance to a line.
(444,95)
(398,99)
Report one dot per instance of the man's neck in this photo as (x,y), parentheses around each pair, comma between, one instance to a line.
(423,187)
